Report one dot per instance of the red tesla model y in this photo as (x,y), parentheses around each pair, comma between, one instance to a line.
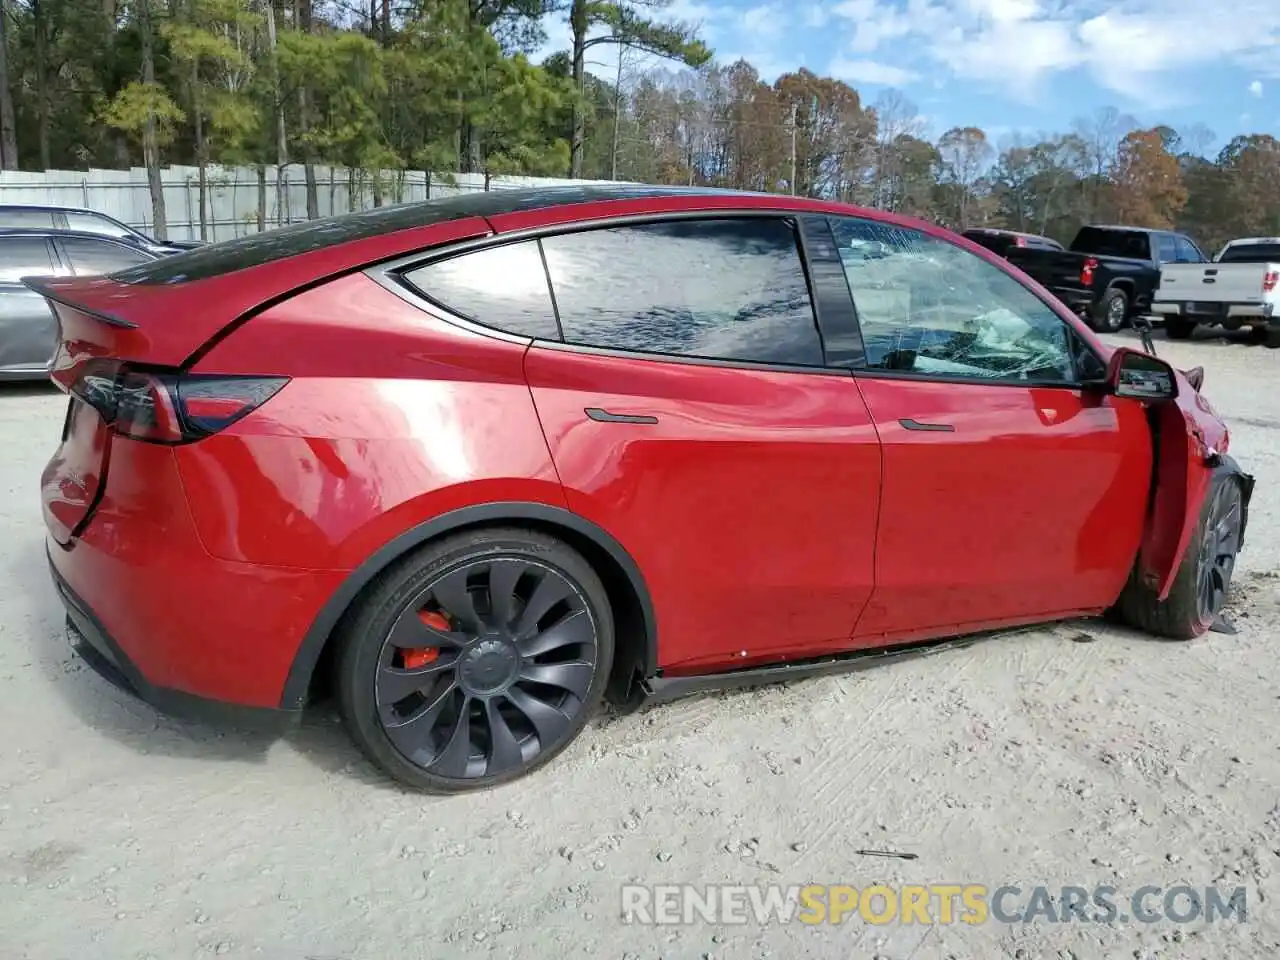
(477,464)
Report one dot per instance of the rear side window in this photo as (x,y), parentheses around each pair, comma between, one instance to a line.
(1187,251)
(1134,244)
(26,217)
(501,287)
(995,242)
(93,223)
(723,289)
(99,256)
(24,257)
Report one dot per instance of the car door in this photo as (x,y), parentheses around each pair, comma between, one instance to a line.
(28,330)
(89,255)
(690,413)
(1011,492)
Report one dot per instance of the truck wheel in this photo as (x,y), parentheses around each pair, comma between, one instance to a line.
(1271,337)
(1111,311)
(1179,328)
(1200,586)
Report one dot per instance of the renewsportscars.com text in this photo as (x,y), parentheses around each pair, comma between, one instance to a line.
(939,903)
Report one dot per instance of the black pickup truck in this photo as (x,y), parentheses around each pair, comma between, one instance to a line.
(1107,274)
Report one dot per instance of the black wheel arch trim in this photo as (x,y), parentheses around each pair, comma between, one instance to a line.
(298,683)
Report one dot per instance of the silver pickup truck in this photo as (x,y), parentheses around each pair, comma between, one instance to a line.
(1240,288)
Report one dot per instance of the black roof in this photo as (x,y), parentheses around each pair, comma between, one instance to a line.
(257,248)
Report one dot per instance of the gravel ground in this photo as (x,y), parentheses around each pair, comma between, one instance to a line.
(1029,759)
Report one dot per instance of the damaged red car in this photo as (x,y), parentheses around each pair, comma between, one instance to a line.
(477,464)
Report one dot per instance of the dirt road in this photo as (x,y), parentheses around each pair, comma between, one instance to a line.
(1076,755)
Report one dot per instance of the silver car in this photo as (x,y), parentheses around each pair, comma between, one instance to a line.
(28,328)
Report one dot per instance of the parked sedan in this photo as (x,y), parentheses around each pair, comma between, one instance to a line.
(28,329)
(80,220)
(479,463)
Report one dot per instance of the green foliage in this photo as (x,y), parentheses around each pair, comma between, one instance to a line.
(131,109)
(448,86)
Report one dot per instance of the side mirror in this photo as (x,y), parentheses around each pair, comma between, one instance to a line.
(1131,373)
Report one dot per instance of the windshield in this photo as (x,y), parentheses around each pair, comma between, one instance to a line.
(1112,243)
(1251,253)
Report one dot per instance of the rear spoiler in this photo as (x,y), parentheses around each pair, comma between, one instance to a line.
(41,285)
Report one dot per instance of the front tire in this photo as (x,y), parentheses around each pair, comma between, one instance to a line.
(1200,586)
(1112,310)
(475,660)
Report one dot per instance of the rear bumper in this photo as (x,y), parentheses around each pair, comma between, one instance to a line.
(1259,313)
(172,619)
(95,645)
(1078,301)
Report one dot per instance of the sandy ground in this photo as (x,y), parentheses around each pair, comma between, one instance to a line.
(1034,758)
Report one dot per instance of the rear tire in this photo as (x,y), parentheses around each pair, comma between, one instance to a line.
(475,660)
(1111,312)
(1179,328)
(1203,579)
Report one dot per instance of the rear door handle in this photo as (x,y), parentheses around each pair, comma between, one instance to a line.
(604,416)
(908,424)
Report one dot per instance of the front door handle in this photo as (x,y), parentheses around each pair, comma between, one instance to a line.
(908,424)
(604,416)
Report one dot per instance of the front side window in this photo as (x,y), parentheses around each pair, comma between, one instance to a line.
(1166,248)
(927,307)
(99,256)
(725,289)
(501,287)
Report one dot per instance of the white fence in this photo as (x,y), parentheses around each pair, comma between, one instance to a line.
(235,198)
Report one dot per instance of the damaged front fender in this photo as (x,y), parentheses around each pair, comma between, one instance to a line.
(1187,440)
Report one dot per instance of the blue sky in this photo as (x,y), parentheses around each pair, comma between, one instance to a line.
(1019,67)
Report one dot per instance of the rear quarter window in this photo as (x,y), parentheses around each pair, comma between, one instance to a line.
(501,287)
(722,289)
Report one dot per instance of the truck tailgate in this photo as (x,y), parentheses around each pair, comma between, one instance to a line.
(1216,282)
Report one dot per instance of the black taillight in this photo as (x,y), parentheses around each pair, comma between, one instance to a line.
(170,408)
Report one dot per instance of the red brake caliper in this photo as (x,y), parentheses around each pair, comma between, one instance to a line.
(417,657)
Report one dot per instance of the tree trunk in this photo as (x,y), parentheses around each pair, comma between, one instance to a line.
(282,135)
(8,126)
(617,115)
(150,145)
(578,24)
(42,81)
(302,17)
(262,197)
(202,158)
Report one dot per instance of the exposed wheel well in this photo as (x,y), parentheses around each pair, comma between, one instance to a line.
(632,641)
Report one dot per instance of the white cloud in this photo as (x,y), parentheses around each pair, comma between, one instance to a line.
(1256,88)
(1130,46)
(816,16)
(869,71)
(767,19)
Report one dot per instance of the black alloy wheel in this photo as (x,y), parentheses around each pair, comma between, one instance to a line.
(477,661)
(1219,545)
